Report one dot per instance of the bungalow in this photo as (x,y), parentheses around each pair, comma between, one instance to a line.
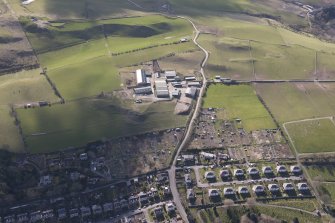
(288,187)
(73,213)
(281,169)
(253,171)
(267,170)
(108,207)
(225,173)
(190,195)
(96,209)
(188,160)
(158,211)
(133,201)
(213,193)
(302,187)
(258,189)
(170,207)
(243,190)
(228,191)
(208,156)
(188,180)
(273,188)
(167,191)
(143,198)
(153,192)
(85,211)
(295,169)
(238,173)
(124,203)
(22,217)
(210,175)
(61,213)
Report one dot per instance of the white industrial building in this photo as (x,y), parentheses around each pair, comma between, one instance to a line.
(162,90)
(141,78)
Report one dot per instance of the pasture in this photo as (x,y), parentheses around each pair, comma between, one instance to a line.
(79,122)
(239,102)
(86,79)
(228,57)
(123,34)
(327,192)
(314,136)
(17,89)
(297,101)
(282,62)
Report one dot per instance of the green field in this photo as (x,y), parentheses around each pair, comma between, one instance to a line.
(283,62)
(239,102)
(297,101)
(72,9)
(18,89)
(327,192)
(86,79)
(76,123)
(228,57)
(235,214)
(321,172)
(122,34)
(313,136)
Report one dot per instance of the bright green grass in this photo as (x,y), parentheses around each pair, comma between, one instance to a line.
(25,87)
(228,57)
(9,133)
(79,122)
(322,172)
(291,102)
(240,102)
(282,62)
(74,54)
(313,136)
(86,79)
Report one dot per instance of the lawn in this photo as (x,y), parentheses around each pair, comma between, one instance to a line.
(86,79)
(239,102)
(77,123)
(321,172)
(283,62)
(312,136)
(297,101)
(228,57)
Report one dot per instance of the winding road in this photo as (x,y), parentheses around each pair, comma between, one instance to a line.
(172,170)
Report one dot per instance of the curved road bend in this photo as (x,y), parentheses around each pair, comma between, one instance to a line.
(172,170)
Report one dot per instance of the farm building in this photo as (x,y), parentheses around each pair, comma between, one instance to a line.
(170,74)
(191,92)
(192,78)
(141,78)
(162,90)
(143,90)
(194,84)
(176,93)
